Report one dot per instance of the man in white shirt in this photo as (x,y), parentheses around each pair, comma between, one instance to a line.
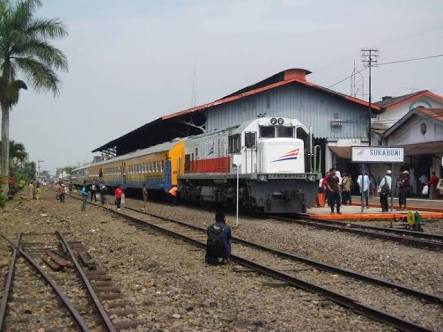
(385,189)
(363,183)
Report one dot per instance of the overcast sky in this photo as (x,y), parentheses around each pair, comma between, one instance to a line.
(133,61)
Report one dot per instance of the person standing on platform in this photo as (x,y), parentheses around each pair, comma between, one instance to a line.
(433,182)
(403,189)
(145,196)
(346,189)
(363,183)
(333,191)
(84,192)
(385,189)
(118,193)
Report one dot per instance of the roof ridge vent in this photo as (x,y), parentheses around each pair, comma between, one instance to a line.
(296,73)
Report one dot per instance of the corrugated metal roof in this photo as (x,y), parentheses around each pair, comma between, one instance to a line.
(287,79)
(390,102)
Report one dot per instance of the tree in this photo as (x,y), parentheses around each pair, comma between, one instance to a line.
(25,50)
(68,169)
(17,153)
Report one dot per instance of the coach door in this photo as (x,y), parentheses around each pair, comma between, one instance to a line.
(250,155)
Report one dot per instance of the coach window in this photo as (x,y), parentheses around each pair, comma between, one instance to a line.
(267,131)
(163,165)
(250,139)
(285,131)
(234,143)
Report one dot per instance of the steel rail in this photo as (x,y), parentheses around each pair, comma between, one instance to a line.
(64,299)
(415,242)
(102,313)
(322,266)
(425,235)
(8,284)
(342,300)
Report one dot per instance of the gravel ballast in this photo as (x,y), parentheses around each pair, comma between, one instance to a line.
(169,282)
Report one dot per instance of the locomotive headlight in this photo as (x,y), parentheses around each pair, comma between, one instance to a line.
(273,121)
(280,121)
(312,177)
(262,178)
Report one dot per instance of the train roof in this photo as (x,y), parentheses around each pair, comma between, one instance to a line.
(153,149)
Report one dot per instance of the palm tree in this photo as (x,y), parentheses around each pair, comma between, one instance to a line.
(17,153)
(24,50)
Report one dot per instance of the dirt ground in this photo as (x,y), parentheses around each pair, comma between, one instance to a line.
(168,281)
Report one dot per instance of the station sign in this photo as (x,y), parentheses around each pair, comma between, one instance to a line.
(378,154)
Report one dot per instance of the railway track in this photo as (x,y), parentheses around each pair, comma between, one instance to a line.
(403,308)
(406,237)
(53,284)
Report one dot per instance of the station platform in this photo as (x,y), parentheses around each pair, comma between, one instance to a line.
(353,213)
(416,204)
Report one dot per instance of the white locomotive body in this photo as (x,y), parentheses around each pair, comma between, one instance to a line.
(268,155)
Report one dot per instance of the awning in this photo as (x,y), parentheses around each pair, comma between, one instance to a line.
(343,152)
(424,148)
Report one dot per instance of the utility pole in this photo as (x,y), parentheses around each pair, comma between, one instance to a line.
(38,168)
(369,59)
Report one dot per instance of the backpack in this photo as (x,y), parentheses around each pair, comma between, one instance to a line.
(216,244)
(385,190)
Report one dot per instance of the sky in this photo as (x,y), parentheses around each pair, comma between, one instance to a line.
(133,61)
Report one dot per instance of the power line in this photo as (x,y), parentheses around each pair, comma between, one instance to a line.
(409,60)
(387,63)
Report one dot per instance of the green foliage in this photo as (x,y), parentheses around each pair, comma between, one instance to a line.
(69,169)
(17,152)
(25,172)
(3,200)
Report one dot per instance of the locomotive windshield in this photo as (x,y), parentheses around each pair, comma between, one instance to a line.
(267,131)
(276,131)
(285,131)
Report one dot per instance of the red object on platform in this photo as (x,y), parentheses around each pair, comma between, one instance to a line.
(321,199)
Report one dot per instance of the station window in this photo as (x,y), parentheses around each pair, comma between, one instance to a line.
(250,139)
(234,143)
(267,131)
(285,131)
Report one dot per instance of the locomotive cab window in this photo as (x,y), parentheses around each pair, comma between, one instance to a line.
(285,131)
(267,131)
(250,139)
(234,143)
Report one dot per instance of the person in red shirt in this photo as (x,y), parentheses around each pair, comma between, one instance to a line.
(118,193)
(433,182)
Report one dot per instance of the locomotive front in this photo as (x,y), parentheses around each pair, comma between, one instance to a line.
(268,157)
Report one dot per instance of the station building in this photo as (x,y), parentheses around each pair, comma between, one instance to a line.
(420,132)
(336,120)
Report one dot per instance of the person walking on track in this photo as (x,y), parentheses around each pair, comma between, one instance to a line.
(94,192)
(118,193)
(145,196)
(84,192)
(385,189)
(173,192)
